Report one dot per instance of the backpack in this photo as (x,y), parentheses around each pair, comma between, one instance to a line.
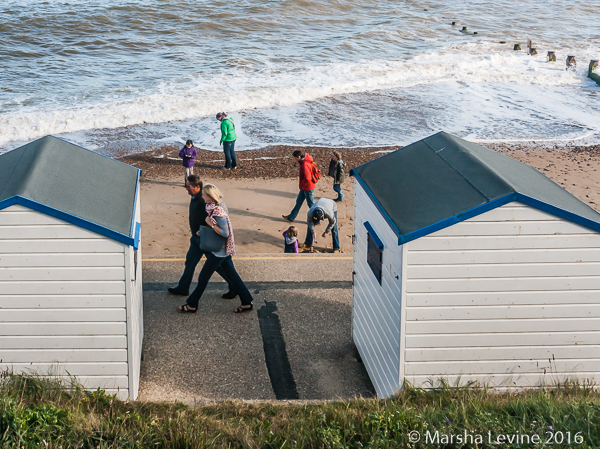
(315,173)
(331,171)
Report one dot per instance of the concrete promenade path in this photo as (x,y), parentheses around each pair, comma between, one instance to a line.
(295,344)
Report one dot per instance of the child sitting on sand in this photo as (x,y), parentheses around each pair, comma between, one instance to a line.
(337,168)
(188,153)
(291,240)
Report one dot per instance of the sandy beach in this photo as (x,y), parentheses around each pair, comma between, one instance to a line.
(266,184)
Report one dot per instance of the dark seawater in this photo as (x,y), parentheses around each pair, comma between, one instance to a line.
(121,74)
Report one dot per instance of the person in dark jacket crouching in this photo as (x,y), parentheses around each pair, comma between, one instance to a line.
(197,218)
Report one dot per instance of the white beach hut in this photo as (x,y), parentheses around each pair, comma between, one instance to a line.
(471,266)
(70,266)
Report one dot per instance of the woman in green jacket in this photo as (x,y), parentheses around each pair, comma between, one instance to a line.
(228,138)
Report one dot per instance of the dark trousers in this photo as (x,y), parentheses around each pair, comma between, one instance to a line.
(192,258)
(302,195)
(229,150)
(210,266)
(334,235)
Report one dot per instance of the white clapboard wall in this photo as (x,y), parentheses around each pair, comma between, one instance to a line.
(510,298)
(62,301)
(377,309)
(135,310)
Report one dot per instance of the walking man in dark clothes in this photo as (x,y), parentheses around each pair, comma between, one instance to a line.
(197,218)
(307,185)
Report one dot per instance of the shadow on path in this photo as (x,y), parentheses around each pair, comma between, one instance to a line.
(246,236)
(163,183)
(276,358)
(249,213)
(279,193)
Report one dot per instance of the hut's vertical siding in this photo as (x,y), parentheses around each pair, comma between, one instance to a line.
(62,301)
(377,309)
(135,311)
(509,298)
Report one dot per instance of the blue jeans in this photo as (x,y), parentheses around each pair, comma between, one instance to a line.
(302,195)
(192,258)
(212,264)
(334,235)
(338,188)
(228,149)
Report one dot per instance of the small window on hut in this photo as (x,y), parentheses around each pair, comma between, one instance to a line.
(374,251)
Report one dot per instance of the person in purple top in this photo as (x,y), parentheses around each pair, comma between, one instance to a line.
(291,240)
(188,153)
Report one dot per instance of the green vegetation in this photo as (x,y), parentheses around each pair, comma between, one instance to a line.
(37,413)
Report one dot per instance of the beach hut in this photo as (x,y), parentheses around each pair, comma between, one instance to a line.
(70,266)
(472,266)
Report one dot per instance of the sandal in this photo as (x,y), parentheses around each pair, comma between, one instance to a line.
(242,309)
(186,309)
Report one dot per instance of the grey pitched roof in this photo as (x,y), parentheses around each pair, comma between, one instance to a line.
(58,176)
(442,179)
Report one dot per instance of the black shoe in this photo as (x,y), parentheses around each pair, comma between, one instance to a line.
(176,291)
(229,295)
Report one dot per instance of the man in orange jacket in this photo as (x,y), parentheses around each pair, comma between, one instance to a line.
(307,186)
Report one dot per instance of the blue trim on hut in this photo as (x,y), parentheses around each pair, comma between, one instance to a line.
(443,180)
(69,218)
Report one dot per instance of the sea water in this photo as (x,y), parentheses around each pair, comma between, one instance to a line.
(132,75)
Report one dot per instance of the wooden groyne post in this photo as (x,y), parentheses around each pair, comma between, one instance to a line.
(551,56)
(571,63)
(594,71)
(465,30)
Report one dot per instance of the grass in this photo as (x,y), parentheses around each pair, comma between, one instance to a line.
(35,412)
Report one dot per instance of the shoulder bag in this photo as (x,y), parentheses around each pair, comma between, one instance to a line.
(210,240)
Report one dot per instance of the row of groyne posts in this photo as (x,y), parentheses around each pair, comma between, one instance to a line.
(593,71)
